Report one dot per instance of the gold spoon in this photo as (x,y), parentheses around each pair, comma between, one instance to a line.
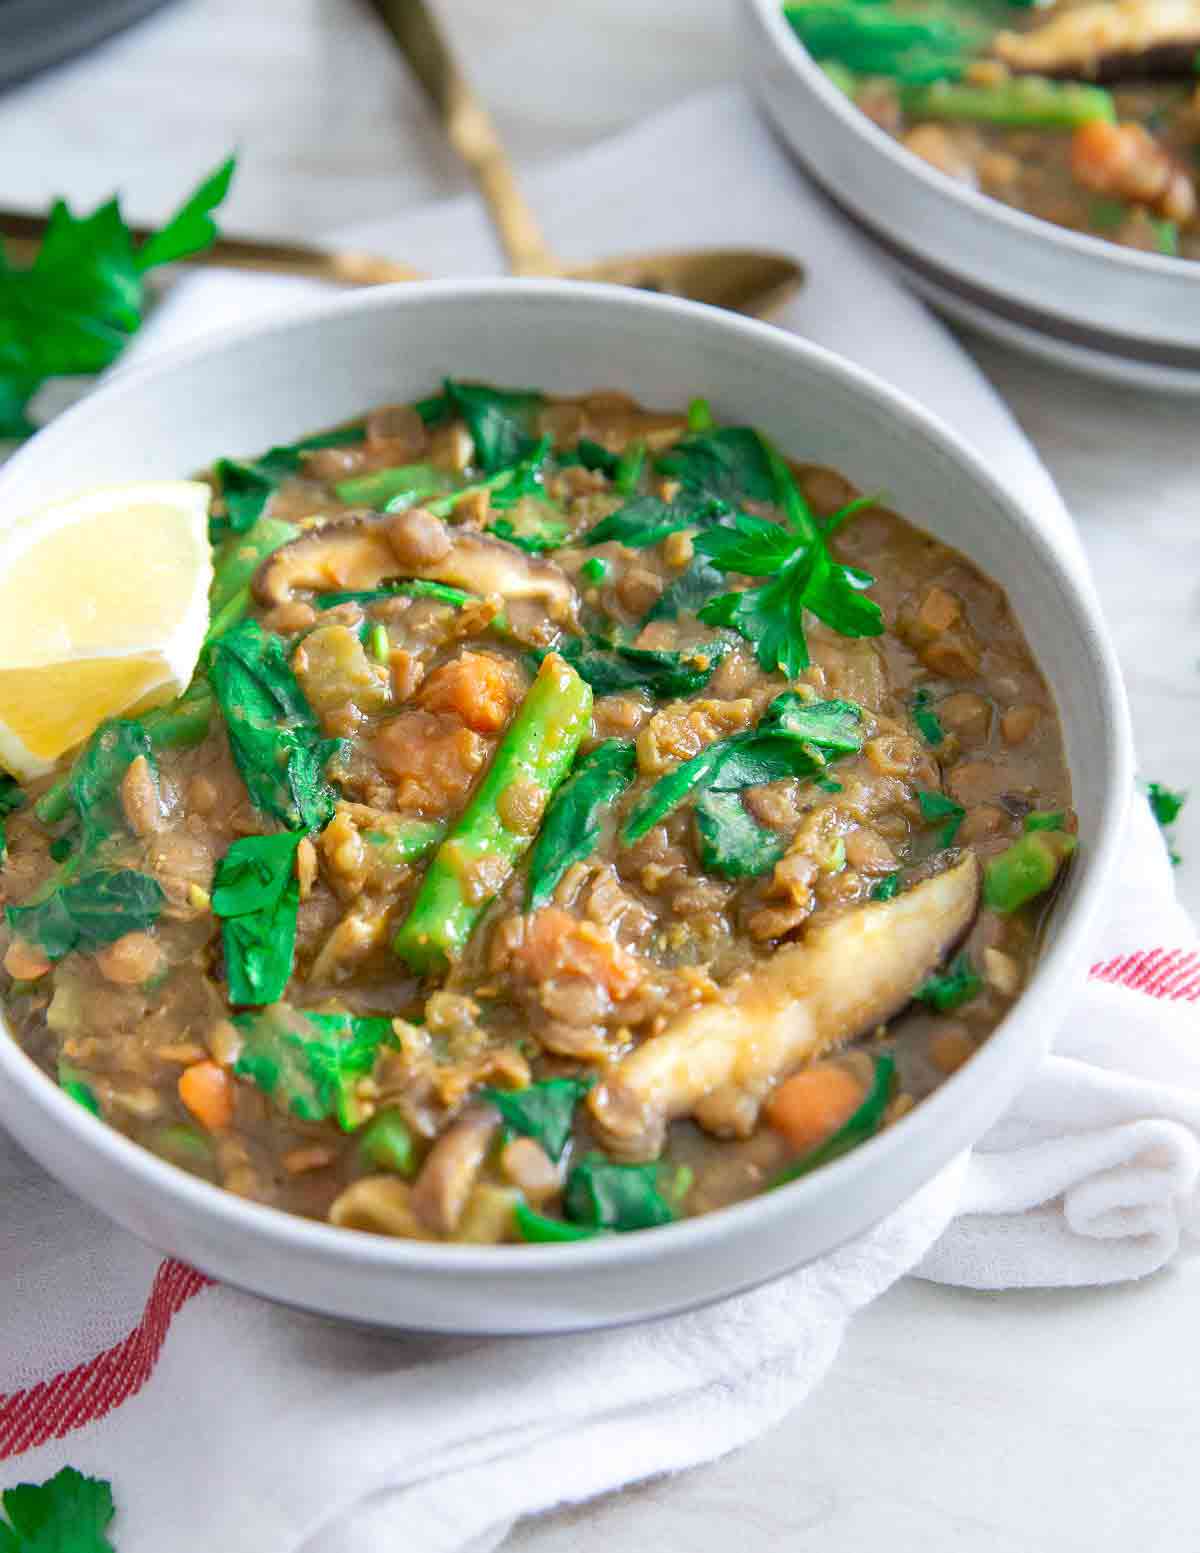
(22,231)
(741,279)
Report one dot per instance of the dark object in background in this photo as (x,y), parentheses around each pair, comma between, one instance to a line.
(37,33)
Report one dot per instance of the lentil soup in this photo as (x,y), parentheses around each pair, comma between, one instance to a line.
(581,818)
(1085,113)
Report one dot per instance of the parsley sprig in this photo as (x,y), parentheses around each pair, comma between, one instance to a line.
(75,308)
(801,573)
(68,1513)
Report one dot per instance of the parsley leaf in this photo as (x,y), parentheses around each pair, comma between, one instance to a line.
(100,907)
(1165,805)
(542,1111)
(501,421)
(191,229)
(611,666)
(257,895)
(68,1513)
(74,309)
(802,575)
(309,1063)
(571,827)
(958,985)
(603,1195)
(273,734)
(940,806)
(732,844)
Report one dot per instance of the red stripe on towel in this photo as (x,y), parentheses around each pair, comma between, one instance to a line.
(80,1396)
(1171,974)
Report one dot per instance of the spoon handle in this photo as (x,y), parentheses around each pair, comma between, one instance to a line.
(470,130)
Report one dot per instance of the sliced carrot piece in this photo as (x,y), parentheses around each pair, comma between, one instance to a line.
(207,1091)
(811,1105)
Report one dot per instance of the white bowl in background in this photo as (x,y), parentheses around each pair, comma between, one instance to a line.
(1108,309)
(252,387)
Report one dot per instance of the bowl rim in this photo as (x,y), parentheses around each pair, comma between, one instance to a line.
(271,1227)
(1096,249)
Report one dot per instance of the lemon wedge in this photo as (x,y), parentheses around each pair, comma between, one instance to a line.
(103,611)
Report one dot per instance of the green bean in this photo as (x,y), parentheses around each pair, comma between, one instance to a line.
(386,1143)
(536,751)
(410,482)
(1026,102)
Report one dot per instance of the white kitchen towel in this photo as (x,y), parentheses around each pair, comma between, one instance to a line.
(227,1423)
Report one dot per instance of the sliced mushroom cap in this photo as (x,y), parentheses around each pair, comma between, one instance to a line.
(439,1196)
(366,552)
(718,1062)
(1122,41)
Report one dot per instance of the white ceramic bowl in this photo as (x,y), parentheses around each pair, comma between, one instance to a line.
(247,389)
(960,246)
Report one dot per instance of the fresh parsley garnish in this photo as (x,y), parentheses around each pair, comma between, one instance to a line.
(571,828)
(1165,804)
(542,1111)
(795,557)
(257,896)
(68,1513)
(940,806)
(957,985)
(309,1063)
(274,736)
(75,308)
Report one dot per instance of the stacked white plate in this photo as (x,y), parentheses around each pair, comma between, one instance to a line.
(37,33)
(1081,301)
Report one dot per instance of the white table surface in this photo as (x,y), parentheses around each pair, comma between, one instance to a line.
(1036,1423)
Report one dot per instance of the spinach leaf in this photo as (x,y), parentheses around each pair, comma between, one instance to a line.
(730,463)
(732,844)
(501,421)
(645,520)
(539,1229)
(542,1111)
(571,827)
(958,985)
(592,455)
(929,724)
(940,806)
(887,888)
(610,667)
(247,485)
(794,738)
(863,1124)
(309,1063)
(11,799)
(272,732)
(257,896)
(94,785)
(604,1195)
(691,590)
(100,907)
